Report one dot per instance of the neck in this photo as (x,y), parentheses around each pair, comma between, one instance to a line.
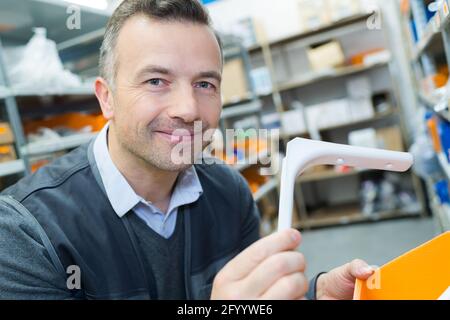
(152,184)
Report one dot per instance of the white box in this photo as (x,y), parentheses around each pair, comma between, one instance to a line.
(261,80)
(361,109)
(359,87)
(313,14)
(340,9)
(271,120)
(328,114)
(293,122)
(363,138)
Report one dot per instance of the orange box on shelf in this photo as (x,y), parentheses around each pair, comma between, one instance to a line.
(6,134)
(75,121)
(421,274)
(7,153)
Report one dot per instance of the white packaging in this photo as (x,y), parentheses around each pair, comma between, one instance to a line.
(340,9)
(363,138)
(359,87)
(361,109)
(293,122)
(328,114)
(40,68)
(377,57)
(261,81)
(271,120)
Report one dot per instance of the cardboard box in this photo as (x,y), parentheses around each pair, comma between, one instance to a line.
(6,134)
(420,274)
(7,153)
(327,56)
(234,83)
(390,139)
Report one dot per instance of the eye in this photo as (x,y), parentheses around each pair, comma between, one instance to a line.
(205,85)
(155,82)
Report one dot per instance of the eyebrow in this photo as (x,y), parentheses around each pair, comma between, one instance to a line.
(162,70)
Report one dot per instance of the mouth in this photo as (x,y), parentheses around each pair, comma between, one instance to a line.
(177,137)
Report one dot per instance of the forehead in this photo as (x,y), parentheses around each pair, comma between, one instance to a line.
(179,45)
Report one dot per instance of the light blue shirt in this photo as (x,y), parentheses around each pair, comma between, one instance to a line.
(123,198)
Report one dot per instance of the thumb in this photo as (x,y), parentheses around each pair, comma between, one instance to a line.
(358,269)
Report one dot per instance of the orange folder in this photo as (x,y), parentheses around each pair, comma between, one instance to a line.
(421,274)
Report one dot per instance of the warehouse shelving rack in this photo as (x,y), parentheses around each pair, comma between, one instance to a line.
(432,40)
(52,15)
(341,214)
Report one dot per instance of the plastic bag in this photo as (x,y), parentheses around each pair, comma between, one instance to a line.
(40,68)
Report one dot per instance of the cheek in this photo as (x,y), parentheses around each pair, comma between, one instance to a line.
(138,110)
(210,111)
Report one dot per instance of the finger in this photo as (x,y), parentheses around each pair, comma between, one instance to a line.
(291,287)
(246,261)
(359,269)
(271,270)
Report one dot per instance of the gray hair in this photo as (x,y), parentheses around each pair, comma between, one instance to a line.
(168,10)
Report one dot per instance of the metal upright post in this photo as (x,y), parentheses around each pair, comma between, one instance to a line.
(12,112)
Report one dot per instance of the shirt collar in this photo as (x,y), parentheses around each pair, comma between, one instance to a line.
(122,196)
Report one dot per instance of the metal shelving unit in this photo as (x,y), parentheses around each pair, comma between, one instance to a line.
(286,89)
(12,167)
(433,41)
(12,116)
(64,143)
(50,14)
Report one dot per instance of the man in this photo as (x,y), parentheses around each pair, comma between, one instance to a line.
(124,217)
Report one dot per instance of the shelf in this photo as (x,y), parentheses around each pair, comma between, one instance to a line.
(50,14)
(438,107)
(328,175)
(12,167)
(4,92)
(265,189)
(69,142)
(330,74)
(433,30)
(252,161)
(359,18)
(348,214)
(243,109)
(325,75)
(442,212)
(430,38)
(377,117)
(84,90)
(444,164)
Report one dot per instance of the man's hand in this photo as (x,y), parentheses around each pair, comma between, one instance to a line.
(269,269)
(339,283)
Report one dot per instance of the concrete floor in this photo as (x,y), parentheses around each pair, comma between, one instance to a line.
(376,243)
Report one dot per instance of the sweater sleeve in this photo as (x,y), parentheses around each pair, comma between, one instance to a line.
(26,270)
(250,220)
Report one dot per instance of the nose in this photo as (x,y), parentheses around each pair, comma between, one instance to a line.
(184,105)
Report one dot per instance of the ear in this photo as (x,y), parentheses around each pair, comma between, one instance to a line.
(105,97)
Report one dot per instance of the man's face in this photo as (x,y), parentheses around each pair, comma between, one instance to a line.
(167,78)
